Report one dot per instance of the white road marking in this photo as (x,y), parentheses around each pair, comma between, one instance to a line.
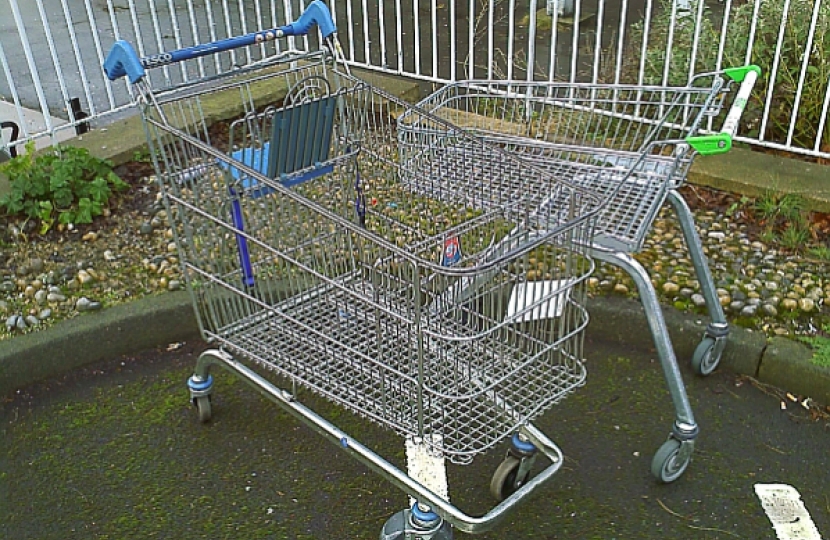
(787,512)
(427,466)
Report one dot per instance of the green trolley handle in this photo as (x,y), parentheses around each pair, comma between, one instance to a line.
(720,143)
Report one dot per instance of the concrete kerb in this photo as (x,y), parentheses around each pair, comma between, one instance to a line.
(168,317)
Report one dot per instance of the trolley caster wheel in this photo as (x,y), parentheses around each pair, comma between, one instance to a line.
(707,355)
(671,460)
(506,481)
(202,404)
(414,524)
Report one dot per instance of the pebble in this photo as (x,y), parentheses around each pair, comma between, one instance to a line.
(40,297)
(806,305)
(31,320)
(109,256)
(789,304)
(84,277)
(11,322)
(7,286)
(749,311)
(174,285)
(90,237)
(44,314)
(36,265)
(769,310)
(698,300)
(55,298)
(85,304)
(670,288)
(146,228)
(620,288)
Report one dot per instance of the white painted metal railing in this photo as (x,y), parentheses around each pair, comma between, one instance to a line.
(52,53)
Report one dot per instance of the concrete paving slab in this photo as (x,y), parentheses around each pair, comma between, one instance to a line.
(755,173)
(786,364)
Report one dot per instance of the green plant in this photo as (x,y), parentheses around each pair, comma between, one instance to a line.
(820,252)
(737,205)
(700,43)
(820,346)
(64,184)
(794,236)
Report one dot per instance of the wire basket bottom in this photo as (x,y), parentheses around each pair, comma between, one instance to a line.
(367,361)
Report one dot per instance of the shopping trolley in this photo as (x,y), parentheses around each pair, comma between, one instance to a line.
(449,313)
(632,146)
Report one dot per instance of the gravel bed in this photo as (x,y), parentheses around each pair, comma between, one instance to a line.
(131,254)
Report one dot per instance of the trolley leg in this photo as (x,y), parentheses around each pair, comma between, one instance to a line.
(416,523)
(200,384)
(709,351)
(676,452)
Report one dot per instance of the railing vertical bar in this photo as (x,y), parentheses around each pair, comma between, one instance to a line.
(434,21)
(139,39)
(453,37)
(669,44)
(752,28)
(177,36)
(491,7)
(306,46)
(774,72)
(824,111)
(646,29)
(73,38)
(511,25)
(416,18)
(696,39)
(55,61)
(471,36)
(620,41)
(194,27)
(366,41)
(212,30)
(350,31)
(97,41)
(30,60)
(399,34)
(243,24)
(575,42)
(259,26)
(727,10)
(159,41)
(274,24)
(288,12)
(531,43)
(598,41)
(721,46)
(803,75)
(226,12)
(382,29)
(554,34)
(13,89)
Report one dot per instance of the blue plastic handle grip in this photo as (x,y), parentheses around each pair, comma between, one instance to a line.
(122,59)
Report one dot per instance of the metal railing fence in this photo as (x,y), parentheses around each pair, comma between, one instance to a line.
(51,54)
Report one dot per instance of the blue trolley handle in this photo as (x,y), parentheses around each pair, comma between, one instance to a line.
(122,59)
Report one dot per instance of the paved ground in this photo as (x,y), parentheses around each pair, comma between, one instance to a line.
(115,452)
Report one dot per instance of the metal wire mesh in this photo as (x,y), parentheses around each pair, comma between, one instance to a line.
(626,144)
(451,305)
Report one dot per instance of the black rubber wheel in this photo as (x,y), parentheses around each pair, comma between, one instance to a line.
(667,465)
(705,359)
(503,483)
(202,404)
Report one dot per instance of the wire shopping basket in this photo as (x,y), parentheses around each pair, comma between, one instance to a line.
(632,146)
(449,312)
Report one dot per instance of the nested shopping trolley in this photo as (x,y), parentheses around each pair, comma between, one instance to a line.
(630,145)
(451,313)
